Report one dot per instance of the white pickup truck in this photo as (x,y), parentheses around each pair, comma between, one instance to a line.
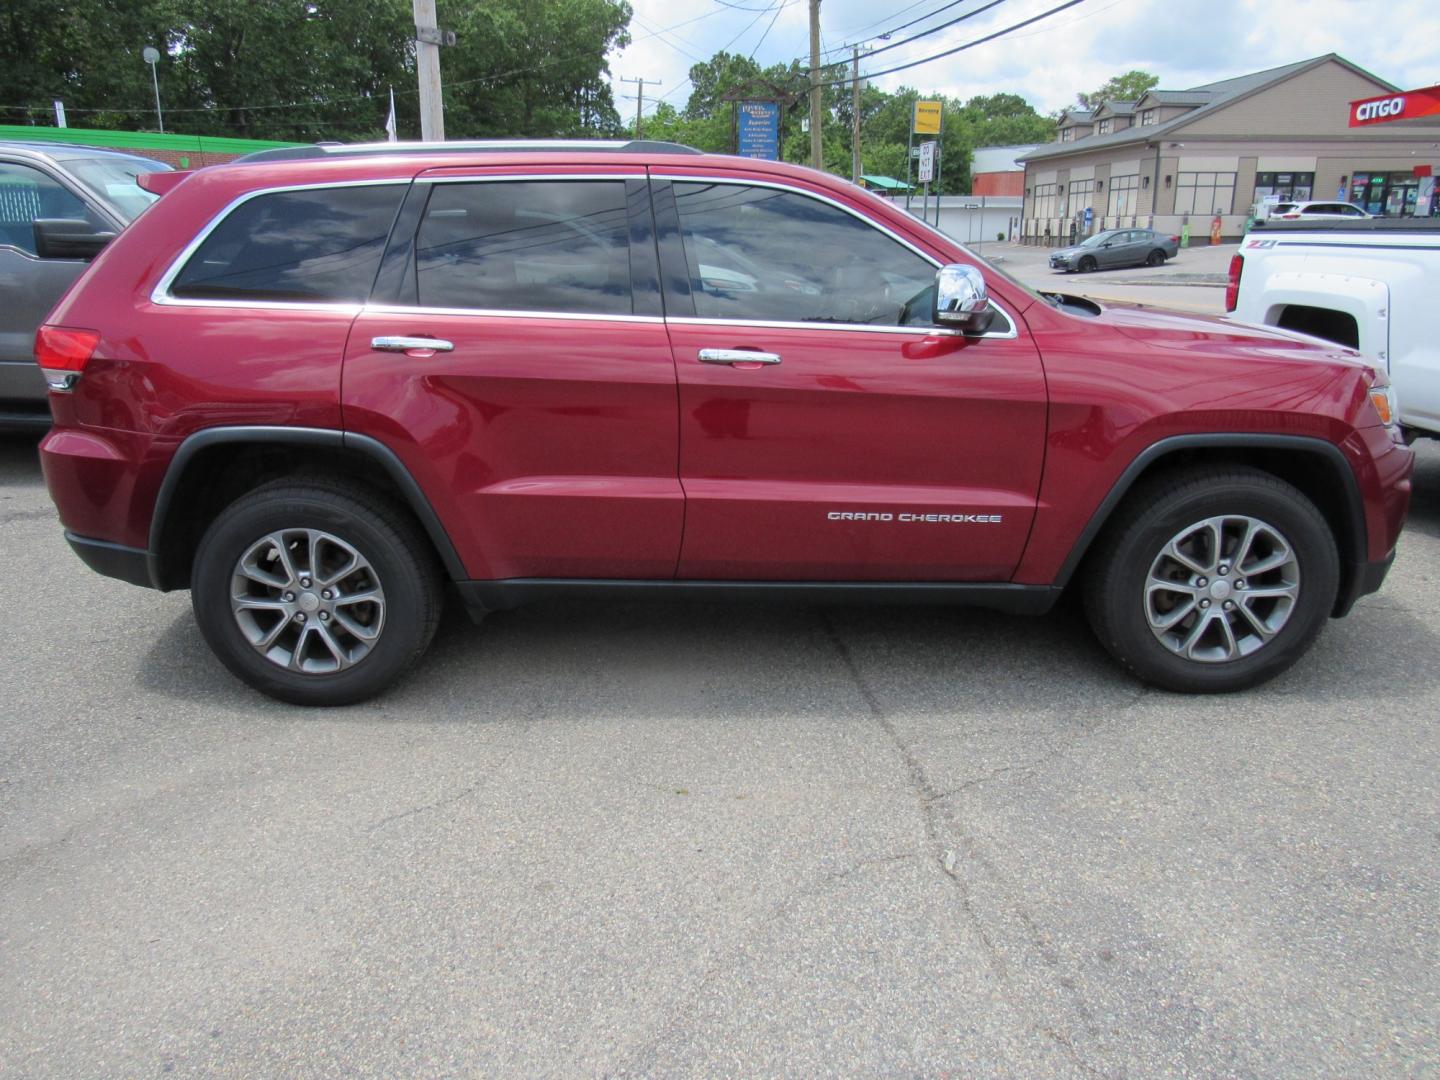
(1372,285)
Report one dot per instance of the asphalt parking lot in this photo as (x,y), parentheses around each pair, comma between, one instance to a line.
(1194,281)
(653,840)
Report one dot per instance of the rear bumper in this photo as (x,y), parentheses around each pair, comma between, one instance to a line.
(113,560)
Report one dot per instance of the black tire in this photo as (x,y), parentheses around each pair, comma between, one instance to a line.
(1155,258)
(397,553)
(1118,569)
(1086,264)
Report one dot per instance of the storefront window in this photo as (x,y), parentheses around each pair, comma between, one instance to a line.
(1393,194)
(1124,191)
(1284,186)
(1046,196)
(1204,193)
(1082,194)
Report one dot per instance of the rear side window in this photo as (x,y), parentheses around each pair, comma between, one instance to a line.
(27,194)
(526,245)
(317,245)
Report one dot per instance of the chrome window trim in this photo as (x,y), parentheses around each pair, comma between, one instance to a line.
(636,172)
(862,328)
(160,294)
(673,173)
(504,313)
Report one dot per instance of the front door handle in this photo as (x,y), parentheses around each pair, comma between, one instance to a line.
(738,356)
(422,346)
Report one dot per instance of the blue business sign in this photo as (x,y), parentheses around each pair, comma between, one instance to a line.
(757,129)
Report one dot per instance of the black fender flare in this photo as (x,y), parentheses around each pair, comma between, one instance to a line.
(1327,451)
(373,449)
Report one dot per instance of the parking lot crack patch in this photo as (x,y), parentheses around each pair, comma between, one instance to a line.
(944,857)
(642,1061)
(439,804)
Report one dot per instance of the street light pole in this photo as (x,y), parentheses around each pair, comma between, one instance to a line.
(816,157)
(151,56)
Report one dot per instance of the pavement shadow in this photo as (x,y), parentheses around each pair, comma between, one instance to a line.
(20,460)
(566,662)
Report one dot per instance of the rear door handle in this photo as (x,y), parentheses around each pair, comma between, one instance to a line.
(426,345)
(738,356)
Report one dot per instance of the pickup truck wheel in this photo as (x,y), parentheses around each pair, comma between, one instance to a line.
(315,593)
(1086,264)
(1212,581)
(1155,258)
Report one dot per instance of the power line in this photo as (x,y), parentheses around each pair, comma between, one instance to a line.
(748,27)
(922,18)
(960,48)
(938,27)
(877,22)
(766,34)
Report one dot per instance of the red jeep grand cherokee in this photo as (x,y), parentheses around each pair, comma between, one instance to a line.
(315,384)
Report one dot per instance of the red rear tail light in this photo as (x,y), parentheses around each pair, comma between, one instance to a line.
(1174,239)
(62,353)
(1232,284)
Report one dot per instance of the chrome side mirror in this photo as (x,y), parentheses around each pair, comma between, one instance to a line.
(961,299)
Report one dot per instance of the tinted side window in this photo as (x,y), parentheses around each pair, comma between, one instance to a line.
(322,245)
(27,194)
(526,245)
(761,254)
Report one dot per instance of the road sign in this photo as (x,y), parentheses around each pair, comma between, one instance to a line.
(927,118)
(927,163)
(1089,215)
(757,129)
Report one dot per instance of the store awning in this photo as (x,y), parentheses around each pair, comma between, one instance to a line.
(1422,105)
(886,183)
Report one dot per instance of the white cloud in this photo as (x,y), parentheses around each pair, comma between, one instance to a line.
(1185,42)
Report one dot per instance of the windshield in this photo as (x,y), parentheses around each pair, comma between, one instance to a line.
(1098,239)
(113,179)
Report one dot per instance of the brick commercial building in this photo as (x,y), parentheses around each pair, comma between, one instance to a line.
(996,170)
(1178,157)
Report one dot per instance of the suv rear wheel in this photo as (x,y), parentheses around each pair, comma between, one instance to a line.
(1213,581)
(315,593)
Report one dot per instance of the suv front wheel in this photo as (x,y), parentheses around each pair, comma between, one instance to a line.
(315,593)
(1213,580)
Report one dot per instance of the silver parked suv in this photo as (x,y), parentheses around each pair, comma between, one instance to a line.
(59,205)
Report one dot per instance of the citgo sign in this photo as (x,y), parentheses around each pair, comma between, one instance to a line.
(1390,107)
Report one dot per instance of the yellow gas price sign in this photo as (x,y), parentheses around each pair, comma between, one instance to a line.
(927,118)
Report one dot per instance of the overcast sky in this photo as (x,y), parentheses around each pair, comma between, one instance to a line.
(1185,42)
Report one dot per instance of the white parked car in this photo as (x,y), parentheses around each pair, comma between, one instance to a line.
(1309,211)
(1368,284)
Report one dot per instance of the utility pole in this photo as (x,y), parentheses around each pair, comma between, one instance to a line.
(427,64)
(855,114)
(816,158)
(640,97)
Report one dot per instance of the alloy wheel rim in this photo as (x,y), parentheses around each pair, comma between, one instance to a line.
(1221,589)
(307,601)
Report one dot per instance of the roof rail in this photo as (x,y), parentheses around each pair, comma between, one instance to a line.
(491,146)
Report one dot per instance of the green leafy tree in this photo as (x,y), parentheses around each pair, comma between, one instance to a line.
(311,69)
(1127,87)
